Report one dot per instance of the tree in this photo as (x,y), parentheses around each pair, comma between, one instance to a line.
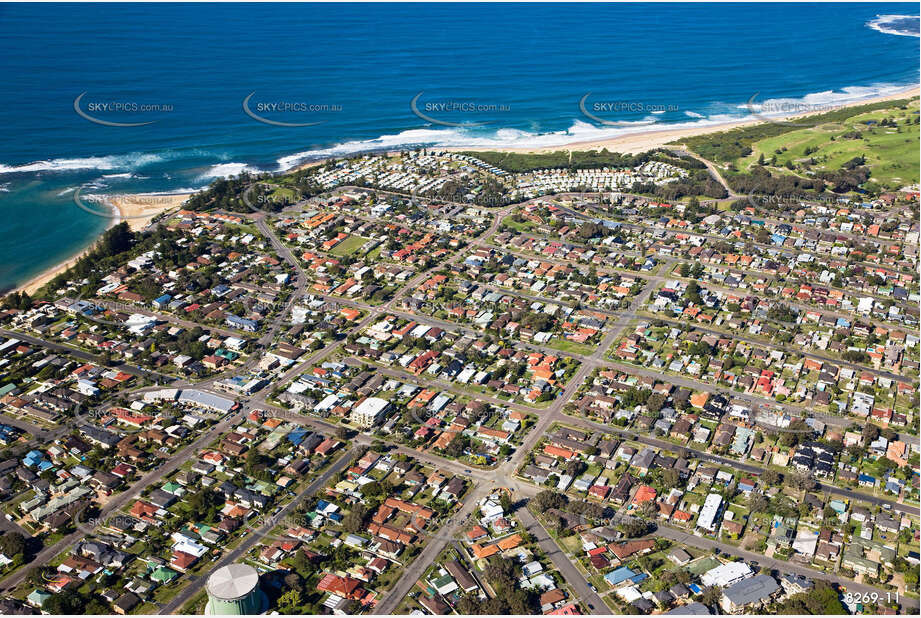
(549,499)
(12,543)
(757,503)
(870,432)
(655,402)
(293,581)
(554,522)
(573,467)
(649,509)
(354,521)
(801,480)
(711,595)
(95,607)
(821,600)
(770,477)
(205,504)
(372,490)
(670,478)
(66,602)
(37,576)
(634,527)
(290,601)
(500,572)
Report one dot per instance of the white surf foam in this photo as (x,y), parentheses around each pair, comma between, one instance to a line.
(129,161)
(224,170)
(887,25)
(580,131)
(825,100)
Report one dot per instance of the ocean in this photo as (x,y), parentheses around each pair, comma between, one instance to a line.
(128,98)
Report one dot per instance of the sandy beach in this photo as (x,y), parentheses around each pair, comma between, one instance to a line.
(38,281)
(642,141)
(138,210)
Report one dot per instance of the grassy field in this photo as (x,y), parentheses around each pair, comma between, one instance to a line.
(284,193)
(891,153)
(571,347)
(348,246)
(518,226)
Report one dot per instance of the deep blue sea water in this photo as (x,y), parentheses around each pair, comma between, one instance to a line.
(521,69)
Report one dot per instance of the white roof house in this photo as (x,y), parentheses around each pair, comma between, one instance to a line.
(726,574)
(709,514)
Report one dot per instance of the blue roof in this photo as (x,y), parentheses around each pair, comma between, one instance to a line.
(694,588)
(866,478)
(163,299)
(619,575)
(297,436)
(237,320)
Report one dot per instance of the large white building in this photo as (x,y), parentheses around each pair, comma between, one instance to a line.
(370,412)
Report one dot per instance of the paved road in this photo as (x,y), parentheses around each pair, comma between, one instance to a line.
(766,249)
(484,478)
(714,172)
(134,370)
(733,463)
(430,552)
(119,500)
(682,536)
(504,476)
(738,336)
(555,414)
(593,603)
(195,583)
(781,566)
(259,400)
(757,402)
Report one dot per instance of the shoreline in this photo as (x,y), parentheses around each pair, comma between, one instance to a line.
(644,140)
(141,208)
(138,210)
